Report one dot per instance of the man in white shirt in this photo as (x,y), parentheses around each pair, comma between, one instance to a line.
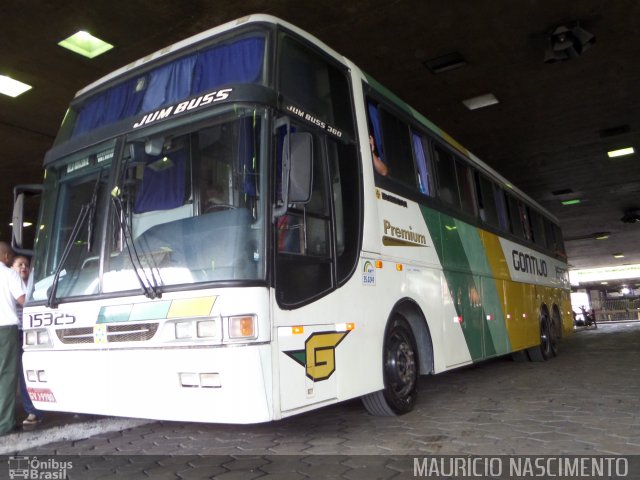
(11,291)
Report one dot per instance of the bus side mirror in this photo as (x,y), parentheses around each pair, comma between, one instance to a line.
(301,168)
(20,192)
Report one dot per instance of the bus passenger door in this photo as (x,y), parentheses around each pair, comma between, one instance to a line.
(316,248)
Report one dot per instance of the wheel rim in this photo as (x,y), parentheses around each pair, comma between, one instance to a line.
(400,365)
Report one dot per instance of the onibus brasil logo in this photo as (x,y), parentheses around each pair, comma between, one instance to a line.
(319,354)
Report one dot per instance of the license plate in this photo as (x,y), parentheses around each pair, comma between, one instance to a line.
(41,395)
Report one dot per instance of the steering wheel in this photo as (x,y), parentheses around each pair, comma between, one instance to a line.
(219,206)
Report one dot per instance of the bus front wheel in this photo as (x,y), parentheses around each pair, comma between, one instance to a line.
(400,372)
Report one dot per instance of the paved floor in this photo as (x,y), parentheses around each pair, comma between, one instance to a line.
(584,402)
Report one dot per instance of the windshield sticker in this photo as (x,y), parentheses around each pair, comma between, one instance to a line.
(313,120)
(187,105)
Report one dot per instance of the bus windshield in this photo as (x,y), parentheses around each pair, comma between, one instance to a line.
(183,205)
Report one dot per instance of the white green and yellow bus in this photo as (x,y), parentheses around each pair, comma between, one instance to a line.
(215,245)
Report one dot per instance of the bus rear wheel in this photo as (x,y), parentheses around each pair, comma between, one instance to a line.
(548,341)
(400,372)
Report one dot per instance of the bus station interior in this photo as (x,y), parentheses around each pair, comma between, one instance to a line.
(541,91)
(561,78)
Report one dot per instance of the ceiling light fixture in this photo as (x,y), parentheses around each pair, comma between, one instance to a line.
(480,101)
(11,87)
(601,235)
(621,152)
(574,201)
(444,63)
(618,255)
(567,42)
(562,191)
(85,44)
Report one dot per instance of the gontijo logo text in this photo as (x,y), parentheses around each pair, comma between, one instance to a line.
(527,263)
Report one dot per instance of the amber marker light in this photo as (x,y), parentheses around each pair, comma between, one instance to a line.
(399,267)
(297,330)
(242,326)
(378,263)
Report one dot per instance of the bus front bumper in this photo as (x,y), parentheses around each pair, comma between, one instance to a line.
(200,384)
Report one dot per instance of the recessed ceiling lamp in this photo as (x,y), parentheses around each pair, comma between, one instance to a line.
(444,63)
(621,152)
(85,44)
(601,235)
(618,255)
(11,87)
(480,101)
(574,201)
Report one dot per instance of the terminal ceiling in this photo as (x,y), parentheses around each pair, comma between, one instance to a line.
(549,133)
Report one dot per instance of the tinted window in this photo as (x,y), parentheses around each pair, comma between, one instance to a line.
(397,148)
(423,163)
(446,171)
(514,216)
(315,85)
(501,208)
(537,223)
(486,200)
(466,188)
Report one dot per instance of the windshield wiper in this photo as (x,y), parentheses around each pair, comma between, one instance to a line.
(51,297)
(151,289)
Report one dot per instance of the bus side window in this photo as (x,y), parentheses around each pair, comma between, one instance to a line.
(423,163)
(397,148)
(557,234)
(446,174)
(465,186)
(525,218)
(486,200)
(517,227)
(539,234)
(501,208)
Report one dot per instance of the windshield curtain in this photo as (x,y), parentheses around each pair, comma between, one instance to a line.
(238,61)
(184,206)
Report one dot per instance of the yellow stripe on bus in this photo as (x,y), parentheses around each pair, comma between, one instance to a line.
(191,307)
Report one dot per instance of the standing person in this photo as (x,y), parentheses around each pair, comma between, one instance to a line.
(34,416)
(10,292)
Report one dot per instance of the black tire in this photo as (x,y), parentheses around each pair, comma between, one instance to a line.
(400,371)
(543,351)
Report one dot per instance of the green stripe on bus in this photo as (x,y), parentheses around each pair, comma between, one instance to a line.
(473,291)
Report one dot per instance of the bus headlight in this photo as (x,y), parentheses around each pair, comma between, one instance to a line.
(206,328)
(243,327)
(183,330)
(198,329)
(35,338)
